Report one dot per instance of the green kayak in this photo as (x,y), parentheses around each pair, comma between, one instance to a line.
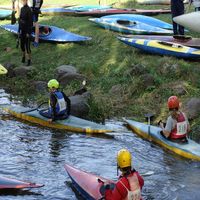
(72,124)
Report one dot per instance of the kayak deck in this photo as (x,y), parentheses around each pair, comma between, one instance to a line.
(72,123)
(189,150)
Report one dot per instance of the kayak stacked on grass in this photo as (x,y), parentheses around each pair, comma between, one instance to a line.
(5,13)
(50,34)
(86,184)
(180,39)
(154,2)
(72,124)
(162,48)
(113,11)
(8,183)
(189,20)
(134,24)
(189,150)
(3,70)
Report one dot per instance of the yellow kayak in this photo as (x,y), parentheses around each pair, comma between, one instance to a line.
(3,70)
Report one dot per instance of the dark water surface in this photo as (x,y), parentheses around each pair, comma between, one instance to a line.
(35,154)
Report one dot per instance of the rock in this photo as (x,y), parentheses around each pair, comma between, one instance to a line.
(138,69)
(147,80)
(65,69)
(192,108)
(8,49)
(179,89)
(116,90)
(22,71)
(40,86)
(10,67)
(66,78)
(79,106)
(168,69)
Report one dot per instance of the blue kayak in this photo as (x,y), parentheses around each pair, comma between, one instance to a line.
(88,8)
(189,150)
(162,48)
(129,26)
(142,18)
(5,13)
(50,34)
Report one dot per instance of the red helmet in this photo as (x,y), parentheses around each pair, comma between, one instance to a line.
(173,102)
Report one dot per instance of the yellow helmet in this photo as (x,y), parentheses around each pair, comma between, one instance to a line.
(123,158)
(53,83)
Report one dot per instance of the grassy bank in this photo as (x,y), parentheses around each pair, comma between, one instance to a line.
(106,62)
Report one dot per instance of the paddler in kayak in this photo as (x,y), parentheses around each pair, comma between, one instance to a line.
(177,125)
(130,183)
(59,103)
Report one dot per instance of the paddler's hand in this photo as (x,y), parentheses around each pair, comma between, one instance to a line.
(50,120)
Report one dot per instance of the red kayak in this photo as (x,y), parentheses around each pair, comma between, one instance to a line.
(180,39)
(8,183)
(113,11)
(87,184)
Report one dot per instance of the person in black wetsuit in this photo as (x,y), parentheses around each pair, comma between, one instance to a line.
(59,103)
(177,8)
(24,31)
(35,6)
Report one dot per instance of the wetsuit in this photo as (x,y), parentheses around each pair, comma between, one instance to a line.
(54,112)
(25,28)
(177,8)
(36,5)
(131,181)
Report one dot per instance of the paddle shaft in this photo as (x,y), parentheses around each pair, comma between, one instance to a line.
(35,108)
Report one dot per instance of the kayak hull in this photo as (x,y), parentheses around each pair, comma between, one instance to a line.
(8,183)
(55,34)
(191,150)
(73,124)
(85,183)
(5,13)
(190,21)
(153,2)
(3,70)
(183,40)
(129,27)
(113,11)
(163,48)
(57,11)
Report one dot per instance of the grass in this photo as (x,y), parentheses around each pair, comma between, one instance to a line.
(106,62)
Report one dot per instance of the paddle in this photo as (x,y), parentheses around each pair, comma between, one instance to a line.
(149,117)
(182,37)
(35,108)
(13,18)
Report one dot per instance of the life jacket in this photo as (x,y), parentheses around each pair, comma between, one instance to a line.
(61,107)
(135,192)
(181,128)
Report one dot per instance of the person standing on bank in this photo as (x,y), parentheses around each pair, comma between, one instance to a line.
(129,184)
(35,6)
(177,125)
(177,8)
(24,31)
(59,103)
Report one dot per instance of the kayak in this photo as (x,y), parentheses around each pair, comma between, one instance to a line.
(5,13)
(57,11)
(112,11)
(86,184)
(72,123)
(153,2)
(142,18)
(129,26)
(50,34)
(8,183)
(189,150)
(180,39)
(190,21)
(88,7)
(162,48)
(3,70)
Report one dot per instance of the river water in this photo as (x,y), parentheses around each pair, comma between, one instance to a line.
(36,154)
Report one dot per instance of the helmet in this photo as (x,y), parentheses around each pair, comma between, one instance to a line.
(173,102)
(123,158)
(53,83)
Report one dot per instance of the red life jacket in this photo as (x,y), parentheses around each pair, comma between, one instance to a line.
(181,128)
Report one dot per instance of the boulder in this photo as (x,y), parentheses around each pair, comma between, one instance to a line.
(192,108)
(147,80)
(10,67)
(135,70)
(40,86)
(116,90)
(22,71)
(65,69)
